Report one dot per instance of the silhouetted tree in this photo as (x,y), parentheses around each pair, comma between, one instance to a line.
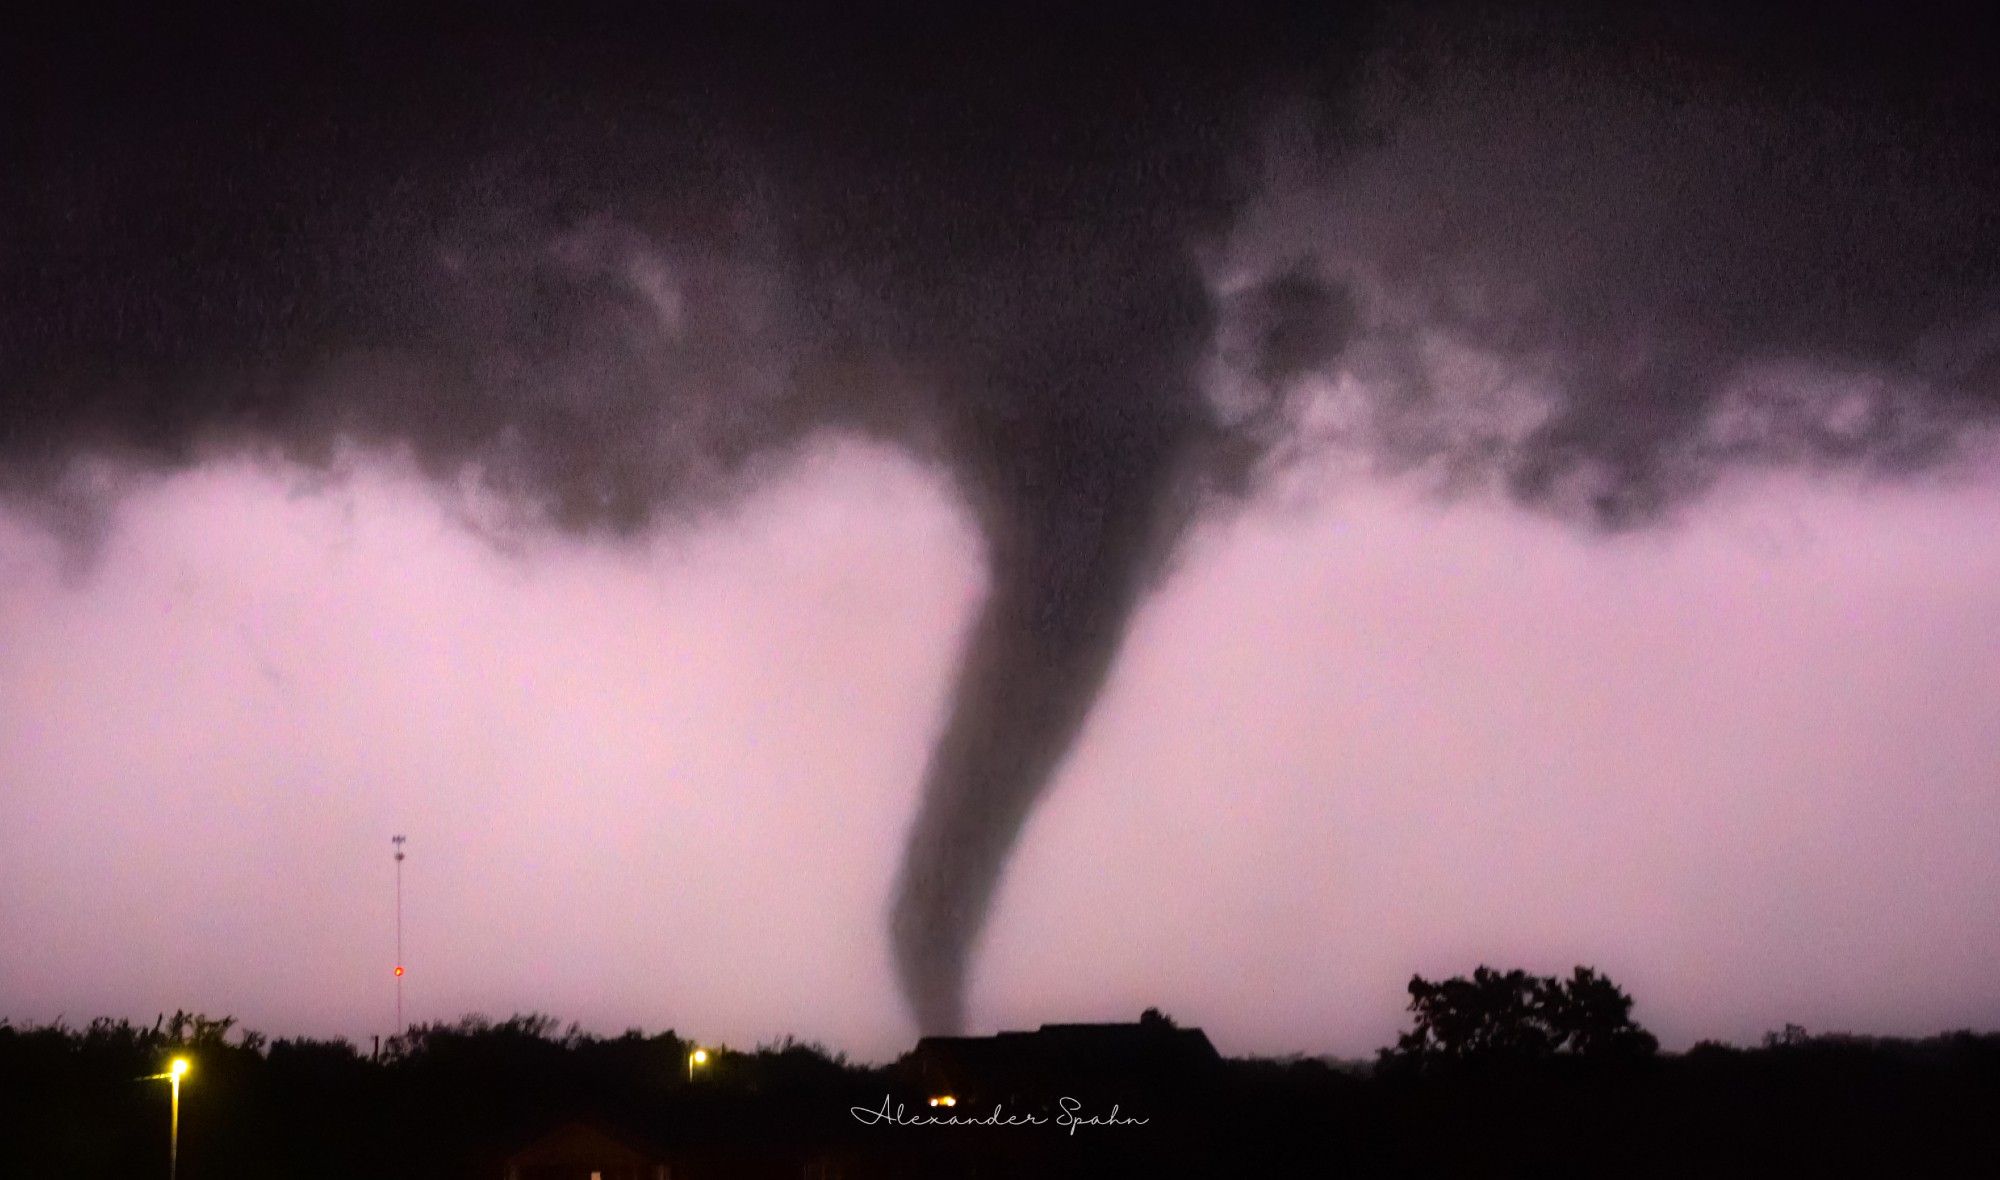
(1591,1016)
(1514,1016)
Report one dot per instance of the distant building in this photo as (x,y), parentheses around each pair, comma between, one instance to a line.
(1134,1065)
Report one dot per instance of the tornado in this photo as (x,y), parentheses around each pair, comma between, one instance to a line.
(1079,505)
(1063,589)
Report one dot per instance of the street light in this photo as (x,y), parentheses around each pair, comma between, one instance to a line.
(698,1057)
(176,1070)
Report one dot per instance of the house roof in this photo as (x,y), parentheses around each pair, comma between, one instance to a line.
(1130,1056)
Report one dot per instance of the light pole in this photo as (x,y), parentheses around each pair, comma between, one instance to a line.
(698,1057)
(398,842)
(176,1070)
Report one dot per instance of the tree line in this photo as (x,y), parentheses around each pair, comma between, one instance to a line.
(1498,1071)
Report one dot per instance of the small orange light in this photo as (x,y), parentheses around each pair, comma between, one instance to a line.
(399,972)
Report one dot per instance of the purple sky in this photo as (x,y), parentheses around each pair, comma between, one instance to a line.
(1746,765)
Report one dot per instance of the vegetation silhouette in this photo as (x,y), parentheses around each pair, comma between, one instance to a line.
(1500,1017)
(1502,1073)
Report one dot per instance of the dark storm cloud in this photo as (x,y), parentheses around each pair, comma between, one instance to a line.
(1606,259)
(1096,269)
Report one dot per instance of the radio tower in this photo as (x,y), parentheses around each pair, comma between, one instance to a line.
(398,842)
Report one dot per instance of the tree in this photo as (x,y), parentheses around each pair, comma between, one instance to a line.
(1594,1018)
(1514,1016)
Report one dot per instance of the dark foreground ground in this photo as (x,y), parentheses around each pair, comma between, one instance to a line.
(473,1100)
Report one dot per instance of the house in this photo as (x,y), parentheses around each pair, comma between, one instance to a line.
(1134,1065)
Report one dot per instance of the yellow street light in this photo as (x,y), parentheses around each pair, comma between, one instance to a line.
(698,1057)
(176,1070)
(944,1100)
